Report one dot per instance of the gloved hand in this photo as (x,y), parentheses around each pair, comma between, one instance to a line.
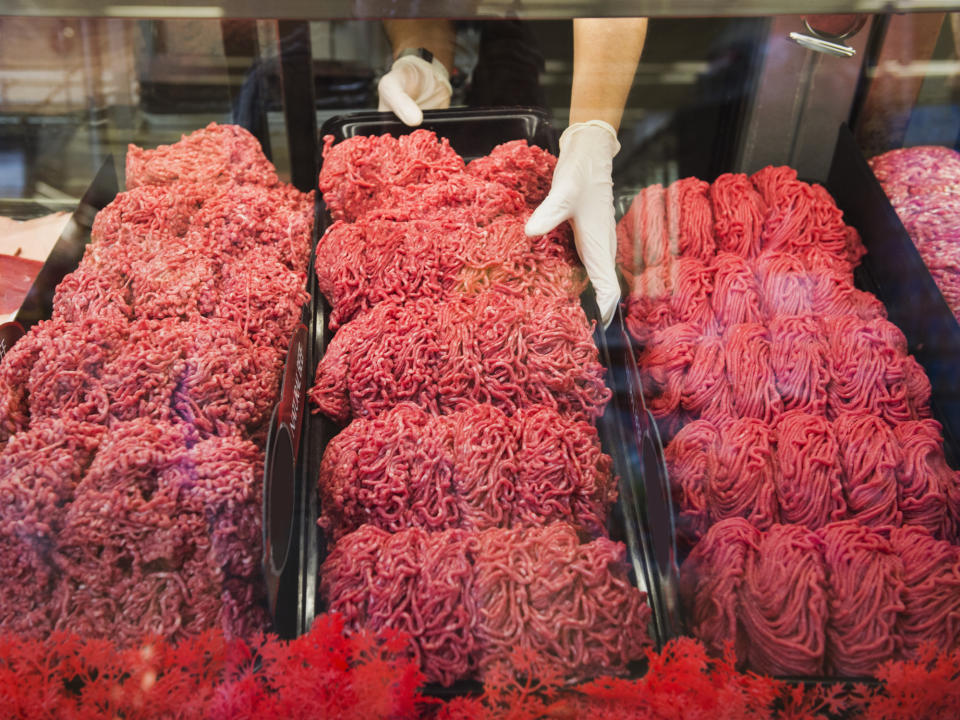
(414,85)
(582,192)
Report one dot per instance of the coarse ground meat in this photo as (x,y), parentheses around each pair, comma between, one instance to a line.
(88,291)
(158,521)
(141,378)
(228,384)
(132,422)
(152,213)
(39,469)
(798,383)
(923,184)
(174,281)
(363,263)
(469,599)
(488,347)
(525,168)
(214,155)
(260,294)
(475,469)
(355,173)
(468,366)
(66,379)
(242,218)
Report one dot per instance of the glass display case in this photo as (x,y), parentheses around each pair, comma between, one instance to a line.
(272,361)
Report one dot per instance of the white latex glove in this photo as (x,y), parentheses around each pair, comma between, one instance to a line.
(414,85)
(582,192)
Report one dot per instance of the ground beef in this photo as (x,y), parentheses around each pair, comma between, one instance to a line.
(356,173)
(798,357)
(923,183)
(141,378)
(468,367)
(92,291)
(361,264)
(130,468)
(66,378)
(744,484)
(690,218)
(931,596)
(691,282)
(260,294)
(844,599)
(924,479)
(736,294)
(228,384)
(475,469)
(809,478)
(150,214)
(244,217)
(710,581)
(510,352)
(469,599)
(797,382)
(525,168)
(460,198)
(15,370)
(212,156)
(39,469)
(783,603)
(738,213)
(174,281)
(691,459)
(865,596)
(157,523)
(752,382)
(642,239)
(866,361)
(785,284)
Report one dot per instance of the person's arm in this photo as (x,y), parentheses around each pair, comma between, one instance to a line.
(414,83)
(605,57)
(437,36)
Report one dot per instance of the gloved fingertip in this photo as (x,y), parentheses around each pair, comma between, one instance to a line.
(607,302)
(411,116)
(544,219)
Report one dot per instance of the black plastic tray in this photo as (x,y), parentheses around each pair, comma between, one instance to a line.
(626,429)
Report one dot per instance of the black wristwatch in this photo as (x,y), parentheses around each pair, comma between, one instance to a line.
(425,54)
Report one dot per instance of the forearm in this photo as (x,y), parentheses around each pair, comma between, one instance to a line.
(606,52)
(436,35)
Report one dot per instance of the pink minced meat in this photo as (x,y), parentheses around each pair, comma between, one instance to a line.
(510,352)
(213,155)
(131,423)
(242,218)
(923,184)
(227,383)
(525,168)
(469,599)
(356,173)
(39,469)
(475,469)
(155,528)
(263,296)
(363,263)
